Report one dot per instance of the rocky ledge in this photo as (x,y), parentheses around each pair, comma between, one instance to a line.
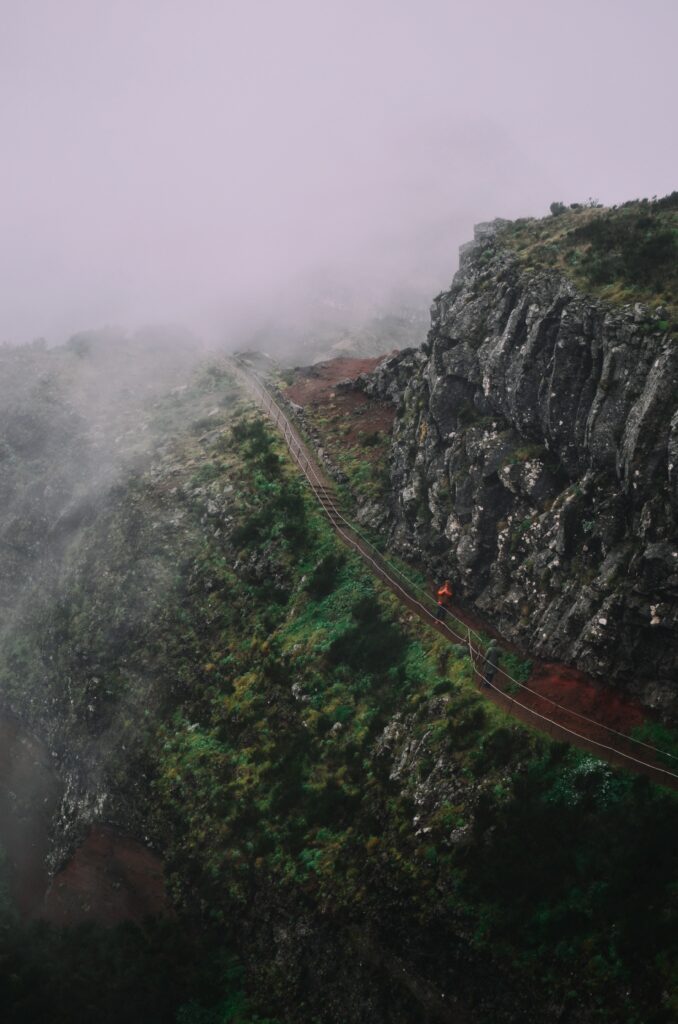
(535,461)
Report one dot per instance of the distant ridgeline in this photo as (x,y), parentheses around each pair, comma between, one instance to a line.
(535,447)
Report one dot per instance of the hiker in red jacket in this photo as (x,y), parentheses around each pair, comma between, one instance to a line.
(444,598)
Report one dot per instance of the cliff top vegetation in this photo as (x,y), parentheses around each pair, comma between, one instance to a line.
(622,254)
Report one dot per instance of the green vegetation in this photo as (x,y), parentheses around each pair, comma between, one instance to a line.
(355,447)
(625,254)
(525,453)
(317,756)
(663,738)
(276,779)
(273,780)
(369,482)
(582,901)
(516,667)
(146,975)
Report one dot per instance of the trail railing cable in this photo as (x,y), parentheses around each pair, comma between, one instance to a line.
(381,566)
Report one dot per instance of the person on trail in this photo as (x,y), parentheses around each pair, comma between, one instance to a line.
(444,597)
(490,664)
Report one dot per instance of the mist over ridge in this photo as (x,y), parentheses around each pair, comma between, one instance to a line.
(205,163)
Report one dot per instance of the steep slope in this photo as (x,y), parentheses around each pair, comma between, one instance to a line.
(81,556)
(535,455)
(332,798)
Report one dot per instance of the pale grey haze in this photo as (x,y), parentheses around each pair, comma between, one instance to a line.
(210,161)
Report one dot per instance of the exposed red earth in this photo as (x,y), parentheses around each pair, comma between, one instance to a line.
(314,383)
(576,691)
(567,705)
(566,687)
(351,411)
(109,879)
(596,719)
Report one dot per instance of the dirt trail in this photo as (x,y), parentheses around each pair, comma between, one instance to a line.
(561,694)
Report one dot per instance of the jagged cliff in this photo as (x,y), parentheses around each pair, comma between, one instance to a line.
(535,460)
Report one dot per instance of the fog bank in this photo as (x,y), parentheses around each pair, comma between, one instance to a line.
(206,161)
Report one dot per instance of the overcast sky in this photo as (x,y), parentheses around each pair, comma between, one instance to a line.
(167,159)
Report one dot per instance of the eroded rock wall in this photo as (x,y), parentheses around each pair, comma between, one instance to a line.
(535,460)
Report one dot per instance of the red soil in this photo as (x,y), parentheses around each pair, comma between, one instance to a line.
(110,878)
(566,701)
(315,388)
(572,689)
(562,694)
(314,383)
(570,706)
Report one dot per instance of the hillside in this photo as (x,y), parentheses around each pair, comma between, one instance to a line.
(239,728)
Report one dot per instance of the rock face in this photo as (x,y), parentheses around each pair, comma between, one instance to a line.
(535,461)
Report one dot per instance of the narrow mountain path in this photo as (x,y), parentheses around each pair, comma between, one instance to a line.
(557,700)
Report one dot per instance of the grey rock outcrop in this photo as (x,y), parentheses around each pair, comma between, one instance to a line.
(535,460)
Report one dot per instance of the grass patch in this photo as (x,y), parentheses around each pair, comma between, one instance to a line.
(625,254)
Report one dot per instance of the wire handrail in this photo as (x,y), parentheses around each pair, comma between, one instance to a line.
(308,468)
